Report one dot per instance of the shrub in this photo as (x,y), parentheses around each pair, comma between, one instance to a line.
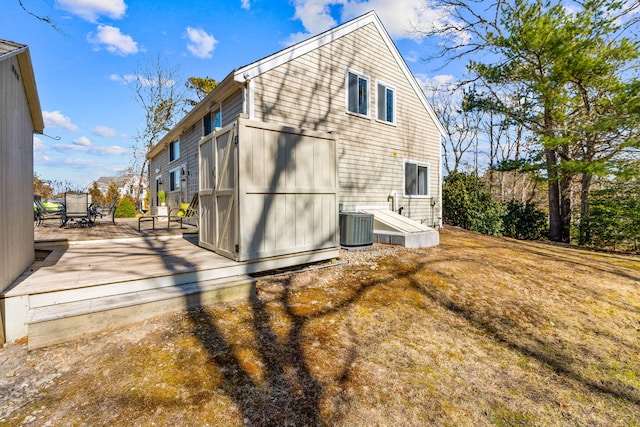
(467,203)
(126,208)
(524,221)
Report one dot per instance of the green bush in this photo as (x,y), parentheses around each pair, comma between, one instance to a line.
(467,203)
(613,220)
(524,221)
(126,208)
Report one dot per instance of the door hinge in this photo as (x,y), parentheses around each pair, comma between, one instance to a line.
(235,140)
(237,248)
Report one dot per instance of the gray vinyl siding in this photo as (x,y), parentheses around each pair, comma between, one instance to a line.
(309,92)
(16,175)
(231,107)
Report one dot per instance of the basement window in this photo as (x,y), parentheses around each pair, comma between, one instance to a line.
(416,179)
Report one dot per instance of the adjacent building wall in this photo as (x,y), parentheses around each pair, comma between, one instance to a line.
(16,174)
(309,92)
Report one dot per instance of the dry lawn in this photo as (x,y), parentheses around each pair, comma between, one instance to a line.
(479,331)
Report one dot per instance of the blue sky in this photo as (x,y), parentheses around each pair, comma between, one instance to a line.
(81,74)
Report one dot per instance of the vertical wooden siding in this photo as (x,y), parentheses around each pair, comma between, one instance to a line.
(231,107)
(288,188)
(16,175)
(309,92)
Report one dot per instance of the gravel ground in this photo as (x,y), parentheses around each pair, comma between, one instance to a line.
(24,374)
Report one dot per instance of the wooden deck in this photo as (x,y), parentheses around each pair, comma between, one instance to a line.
(87,280)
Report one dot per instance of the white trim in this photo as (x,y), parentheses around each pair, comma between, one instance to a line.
(250,71)
(250,100)
(404,180)
(395,102)
(374,207)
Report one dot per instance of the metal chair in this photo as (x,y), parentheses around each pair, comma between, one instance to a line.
(76,207)
(42,213)
(106,210)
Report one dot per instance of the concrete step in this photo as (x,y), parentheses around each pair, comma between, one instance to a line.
(61,322)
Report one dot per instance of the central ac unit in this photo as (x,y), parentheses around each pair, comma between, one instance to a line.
(356,229)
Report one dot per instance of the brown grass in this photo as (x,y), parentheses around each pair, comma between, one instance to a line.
(479,331)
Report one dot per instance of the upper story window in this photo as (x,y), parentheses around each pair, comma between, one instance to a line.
(357,93)
(174,151)
(416,179)
(386,103)
(211,121)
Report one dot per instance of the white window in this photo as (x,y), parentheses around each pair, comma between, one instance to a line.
(357,93)
(416,179)
(212,121)
(174,179)
(386,103)
(174,151)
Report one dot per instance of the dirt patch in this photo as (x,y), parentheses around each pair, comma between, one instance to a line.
(478,331)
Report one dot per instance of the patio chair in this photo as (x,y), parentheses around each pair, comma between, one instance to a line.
(179,213)
(42,212)
(76,207)
(107,210)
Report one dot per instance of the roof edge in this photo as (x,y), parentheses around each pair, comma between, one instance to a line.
(270,62)
(31,89)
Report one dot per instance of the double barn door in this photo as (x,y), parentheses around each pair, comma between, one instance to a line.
(218,172)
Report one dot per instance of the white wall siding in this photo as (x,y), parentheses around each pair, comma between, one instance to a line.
(309,92)
(16,175)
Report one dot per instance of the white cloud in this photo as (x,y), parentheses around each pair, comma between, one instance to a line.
(83,141)
(90,10)
(38,145)
(245,4)
(112,150)
(113,40)
(138,78)
(56,119)
(105,131)
(402,18)
(200,44)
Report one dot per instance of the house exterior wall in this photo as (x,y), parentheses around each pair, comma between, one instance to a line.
(16,175)
(231,106)
(309,92)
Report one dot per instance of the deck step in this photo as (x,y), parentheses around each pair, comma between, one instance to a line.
(68,321)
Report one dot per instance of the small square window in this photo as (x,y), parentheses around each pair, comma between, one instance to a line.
(416,179)
(357,94)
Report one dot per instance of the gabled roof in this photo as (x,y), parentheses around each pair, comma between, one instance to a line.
(9,49)
(270,62)
(240,75)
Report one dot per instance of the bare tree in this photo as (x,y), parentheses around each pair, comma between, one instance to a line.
(161,97)
(461,126)
(45,19)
